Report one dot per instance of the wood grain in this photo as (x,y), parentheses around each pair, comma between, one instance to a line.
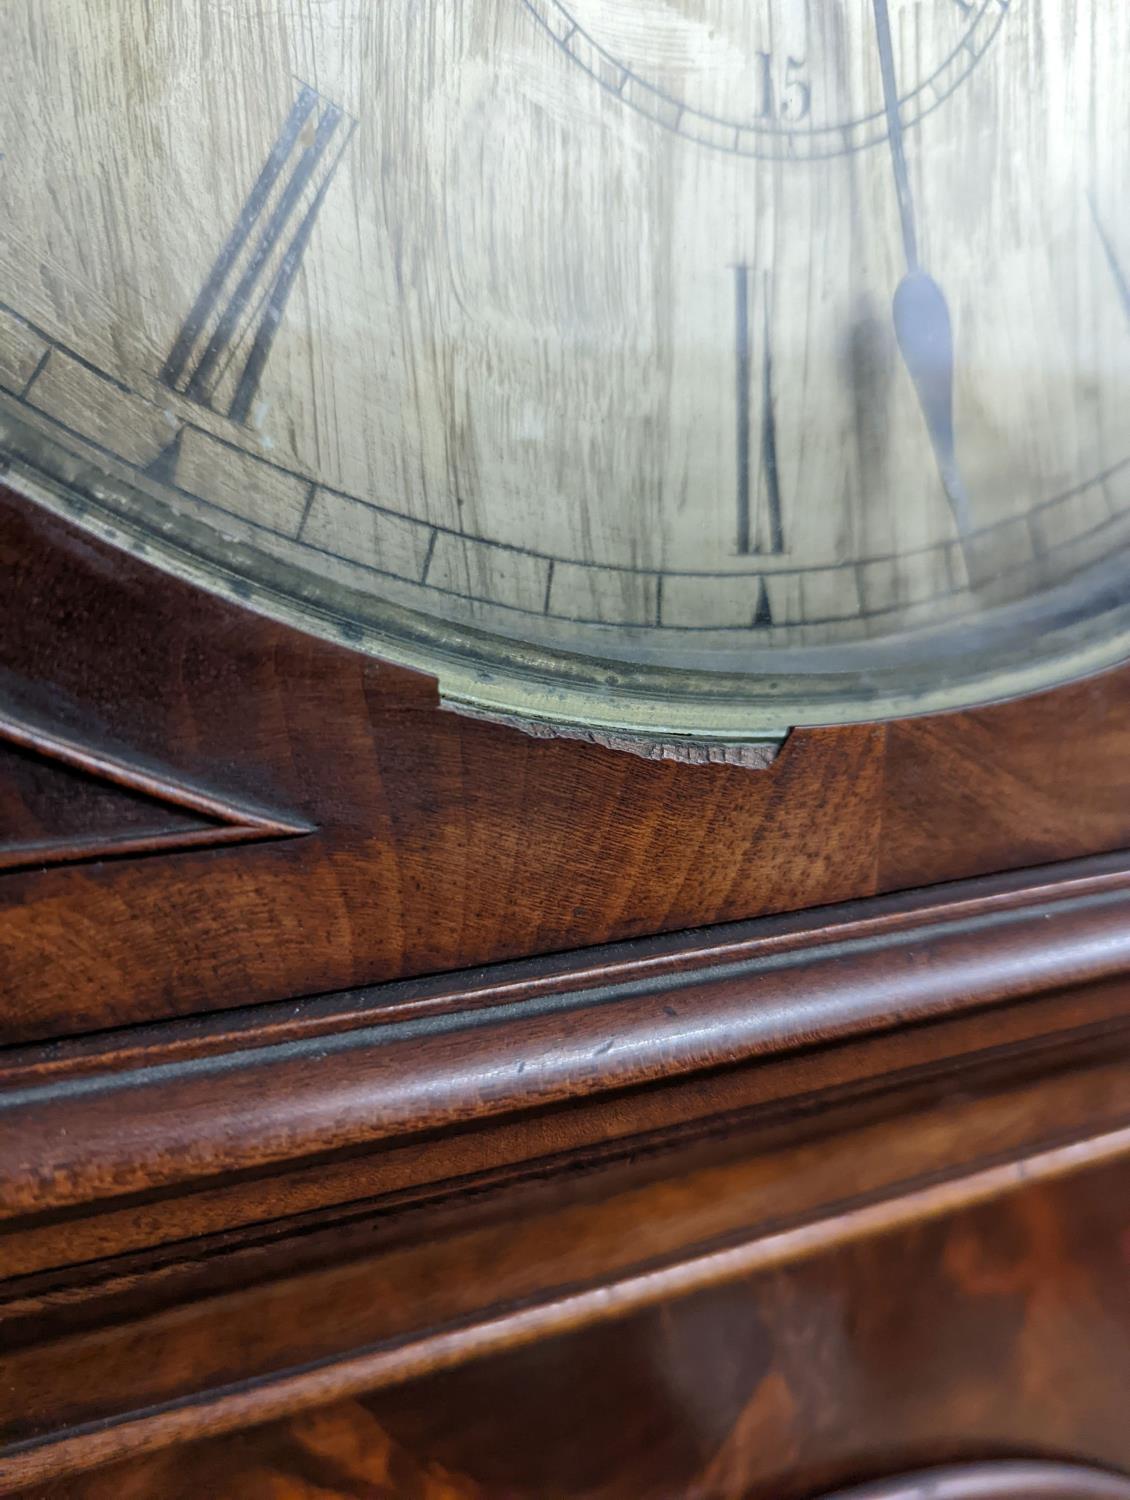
(394,1102)
(960,1310)
(66,802)
(173,1121)
(344,1451)
(442,842)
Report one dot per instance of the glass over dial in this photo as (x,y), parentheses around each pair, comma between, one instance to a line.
(690,367)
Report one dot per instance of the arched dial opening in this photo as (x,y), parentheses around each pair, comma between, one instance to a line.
(691,369)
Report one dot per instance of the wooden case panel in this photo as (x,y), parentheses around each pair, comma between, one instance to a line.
(998,1330)
(875,1169)
(255,814)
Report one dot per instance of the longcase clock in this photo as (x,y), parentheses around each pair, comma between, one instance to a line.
(564,723)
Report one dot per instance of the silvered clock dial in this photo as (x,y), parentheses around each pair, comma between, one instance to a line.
(685,367)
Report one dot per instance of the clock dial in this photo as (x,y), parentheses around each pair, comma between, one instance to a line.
(688,367)
(785,78)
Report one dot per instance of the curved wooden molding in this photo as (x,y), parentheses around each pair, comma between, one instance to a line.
(997,1481)
(212,1334)
(417,1306)
(96,1134)
(108,806)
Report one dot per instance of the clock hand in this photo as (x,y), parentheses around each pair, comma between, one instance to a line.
(894,132)
(921,314)
(925,339)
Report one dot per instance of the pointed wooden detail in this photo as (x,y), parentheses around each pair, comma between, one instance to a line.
(64,802)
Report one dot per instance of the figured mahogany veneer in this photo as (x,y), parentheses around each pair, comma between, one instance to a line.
(439,842)
(66,804)
(394,1104)
(769,1309)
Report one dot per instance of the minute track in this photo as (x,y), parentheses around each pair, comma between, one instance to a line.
(758,138)
(494,392)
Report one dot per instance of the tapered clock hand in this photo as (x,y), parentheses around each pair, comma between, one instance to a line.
(921,313)
(925,338)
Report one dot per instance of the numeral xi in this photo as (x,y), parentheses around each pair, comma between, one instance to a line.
(246,291)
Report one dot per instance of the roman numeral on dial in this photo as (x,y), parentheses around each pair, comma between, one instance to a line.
(759,528)
(221,351)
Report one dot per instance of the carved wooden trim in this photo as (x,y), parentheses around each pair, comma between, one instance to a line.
(997,1481)
(566,1038)
(416,1311)
(222,821)
(666,958)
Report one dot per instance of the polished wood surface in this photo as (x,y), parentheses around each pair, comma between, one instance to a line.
(1029,1141)
(438,842)
(344,1452)
(397,1105)
(995,1330)
(373,1091)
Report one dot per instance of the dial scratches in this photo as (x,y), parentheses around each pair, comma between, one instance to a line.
(477,387)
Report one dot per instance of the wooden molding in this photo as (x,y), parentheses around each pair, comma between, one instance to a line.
(756,1096)
(575,1031)
(96,821)
(997,1481)
(305,1120)
(225,1337)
